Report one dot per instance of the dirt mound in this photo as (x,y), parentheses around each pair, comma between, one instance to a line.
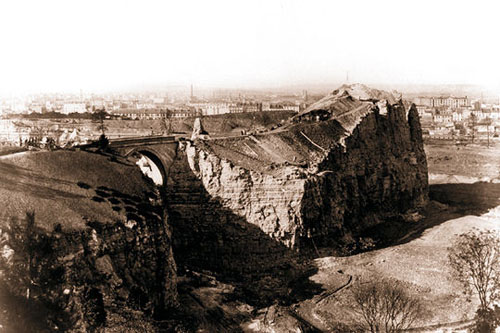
(346,99)
(363,92)
(299,146)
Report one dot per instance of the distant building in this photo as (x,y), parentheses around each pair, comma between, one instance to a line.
(139,114)
(236,108)
(153,114)
(450,101)
(492,113)
(158,100)
(36,108)
(74,108)
(211,109)
(442,101)
(280,107)
(48,106)
(421,109)
(215,108)
(97,104)
(245,107)
(423,101)
(144,106)
(252,107)
(460,115)
(445,117)
(183,113)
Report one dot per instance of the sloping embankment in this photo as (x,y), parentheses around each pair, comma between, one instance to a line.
(98,252)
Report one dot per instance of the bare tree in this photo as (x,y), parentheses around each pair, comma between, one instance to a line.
(167,122)
(475,260)
(472,125)
(488,122)
(99,116)
(385,306)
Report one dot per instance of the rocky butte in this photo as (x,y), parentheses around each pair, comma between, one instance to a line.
(348,162)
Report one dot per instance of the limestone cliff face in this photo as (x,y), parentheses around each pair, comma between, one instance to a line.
(210,201)
(271,203)
(338,168)
(381,172)
(91,279)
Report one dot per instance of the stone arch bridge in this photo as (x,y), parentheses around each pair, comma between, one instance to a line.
(162,150)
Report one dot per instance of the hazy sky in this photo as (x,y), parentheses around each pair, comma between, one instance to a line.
(94,44)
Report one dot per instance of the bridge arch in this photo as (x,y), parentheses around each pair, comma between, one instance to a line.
(152,157)
(161,151)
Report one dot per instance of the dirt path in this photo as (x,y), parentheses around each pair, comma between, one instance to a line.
(327,294)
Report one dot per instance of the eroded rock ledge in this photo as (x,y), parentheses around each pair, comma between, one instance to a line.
(343,165)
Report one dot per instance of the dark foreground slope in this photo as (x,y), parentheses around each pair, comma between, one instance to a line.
(98,255)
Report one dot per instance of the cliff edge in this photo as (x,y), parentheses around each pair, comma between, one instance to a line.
(346,163)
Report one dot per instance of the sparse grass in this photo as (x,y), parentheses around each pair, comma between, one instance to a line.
(6,150)
(97,199)
(420,264)
(469,161)
(83,185)
(58,187)
(114,201)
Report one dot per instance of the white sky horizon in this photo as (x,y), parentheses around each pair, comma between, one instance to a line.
(61,45)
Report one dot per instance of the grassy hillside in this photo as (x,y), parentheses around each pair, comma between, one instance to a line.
(474,161)
(7,149)
(68,187)
(219,125)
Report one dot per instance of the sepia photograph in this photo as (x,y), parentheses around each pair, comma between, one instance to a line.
(266,166)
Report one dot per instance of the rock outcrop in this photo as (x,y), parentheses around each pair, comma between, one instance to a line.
(344,164)
(198,130)
(207,234)
(88,278)
(94,257)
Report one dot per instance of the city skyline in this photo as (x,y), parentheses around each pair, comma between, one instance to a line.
(67,46)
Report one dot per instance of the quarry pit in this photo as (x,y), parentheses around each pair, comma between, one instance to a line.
(243,215)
